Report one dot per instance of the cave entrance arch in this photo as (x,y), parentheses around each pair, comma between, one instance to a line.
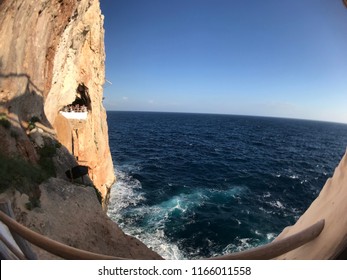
(79,108)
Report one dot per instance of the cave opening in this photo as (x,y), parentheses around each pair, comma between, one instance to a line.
(82,97)
(80,107)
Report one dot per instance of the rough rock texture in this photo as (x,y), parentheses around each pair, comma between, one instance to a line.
(71,214)
(47,49)
(330,205)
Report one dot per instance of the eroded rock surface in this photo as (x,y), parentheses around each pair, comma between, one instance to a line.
(71,214)
(47,49)
(52,58)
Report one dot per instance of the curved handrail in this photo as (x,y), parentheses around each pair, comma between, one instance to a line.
(265,252)
(277,248)
(52,246)
(5,206)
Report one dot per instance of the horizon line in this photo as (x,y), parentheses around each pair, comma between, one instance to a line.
(226,114)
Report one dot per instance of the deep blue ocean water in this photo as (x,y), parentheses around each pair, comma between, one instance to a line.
(200,185)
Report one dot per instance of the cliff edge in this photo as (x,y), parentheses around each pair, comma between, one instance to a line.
(52,119)
(52,58)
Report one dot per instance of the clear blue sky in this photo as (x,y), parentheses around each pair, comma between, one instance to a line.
(269,58)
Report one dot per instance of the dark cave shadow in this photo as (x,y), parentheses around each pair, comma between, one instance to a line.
(21,105)
(20,75)
(19,111)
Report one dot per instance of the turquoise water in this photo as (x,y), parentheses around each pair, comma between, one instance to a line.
(195,185)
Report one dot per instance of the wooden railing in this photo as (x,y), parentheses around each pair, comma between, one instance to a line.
(268,251)
(52,246)
(277,248)
(26,251)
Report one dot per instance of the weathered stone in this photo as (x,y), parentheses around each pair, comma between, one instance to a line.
(88,228)
(36,136)
(48,48)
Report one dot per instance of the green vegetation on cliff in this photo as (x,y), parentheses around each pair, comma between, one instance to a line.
(24,176)
(4,121)
(21,175)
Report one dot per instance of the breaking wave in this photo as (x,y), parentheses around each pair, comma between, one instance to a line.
(192,186)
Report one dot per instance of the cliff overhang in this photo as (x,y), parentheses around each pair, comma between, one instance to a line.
(52,57)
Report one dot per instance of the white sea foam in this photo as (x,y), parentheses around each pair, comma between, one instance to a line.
(159,243)
(176,202)
(128,206)
(270,236)
(267,194)
(209,242)
(265,211)
(277,204)
(127,192)
(239,244)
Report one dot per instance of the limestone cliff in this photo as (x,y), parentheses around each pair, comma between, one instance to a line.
(52,118)
(51,53)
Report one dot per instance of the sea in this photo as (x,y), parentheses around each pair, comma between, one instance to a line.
(193,186)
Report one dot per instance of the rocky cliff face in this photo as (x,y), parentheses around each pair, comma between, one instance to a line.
(52,117)
(87,229)
(51,56)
